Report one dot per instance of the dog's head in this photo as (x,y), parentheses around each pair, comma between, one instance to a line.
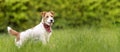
(47,17)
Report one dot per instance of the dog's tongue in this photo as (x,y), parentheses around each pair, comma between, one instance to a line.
(47,27)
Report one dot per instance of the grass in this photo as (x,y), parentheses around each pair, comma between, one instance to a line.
(69,40)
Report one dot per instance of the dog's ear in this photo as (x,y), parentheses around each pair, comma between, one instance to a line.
(43,13)
(52,12)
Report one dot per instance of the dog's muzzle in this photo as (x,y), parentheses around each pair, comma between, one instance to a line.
(51,22)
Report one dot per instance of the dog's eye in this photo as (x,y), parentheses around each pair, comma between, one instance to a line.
(47,16)
(51,16)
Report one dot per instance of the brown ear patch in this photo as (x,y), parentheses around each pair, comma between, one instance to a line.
(43,13)
(52,13)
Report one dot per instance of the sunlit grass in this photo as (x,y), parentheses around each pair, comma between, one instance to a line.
(69,40)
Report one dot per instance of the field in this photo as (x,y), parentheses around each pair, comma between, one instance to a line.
(69,40)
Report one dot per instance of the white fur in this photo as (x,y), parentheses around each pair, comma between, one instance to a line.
(8,28)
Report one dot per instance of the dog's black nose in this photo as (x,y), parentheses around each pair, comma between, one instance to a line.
(51,20)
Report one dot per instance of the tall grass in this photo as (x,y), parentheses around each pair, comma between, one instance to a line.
(69,40)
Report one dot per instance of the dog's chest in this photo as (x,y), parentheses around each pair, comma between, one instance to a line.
(39,30)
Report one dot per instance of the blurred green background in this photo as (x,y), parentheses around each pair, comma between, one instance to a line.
(24,14)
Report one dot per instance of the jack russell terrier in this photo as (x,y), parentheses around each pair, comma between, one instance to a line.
(41,32)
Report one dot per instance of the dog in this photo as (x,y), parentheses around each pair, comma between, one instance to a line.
(42,31)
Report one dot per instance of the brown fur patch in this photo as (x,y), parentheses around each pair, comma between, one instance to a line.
(18,37)
(43,13)
(15,33)
(52,13)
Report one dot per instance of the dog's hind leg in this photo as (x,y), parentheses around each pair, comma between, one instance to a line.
(18,43)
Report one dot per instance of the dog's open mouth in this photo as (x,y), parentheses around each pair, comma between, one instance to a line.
(47,27)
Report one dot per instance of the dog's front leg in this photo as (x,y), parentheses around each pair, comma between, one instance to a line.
(48,37)
(43,39)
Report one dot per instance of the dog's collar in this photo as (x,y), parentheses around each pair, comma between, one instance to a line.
(47,27)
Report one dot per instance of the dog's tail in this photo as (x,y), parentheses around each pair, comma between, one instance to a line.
(12,32)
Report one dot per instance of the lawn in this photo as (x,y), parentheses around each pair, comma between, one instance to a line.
(69,40)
